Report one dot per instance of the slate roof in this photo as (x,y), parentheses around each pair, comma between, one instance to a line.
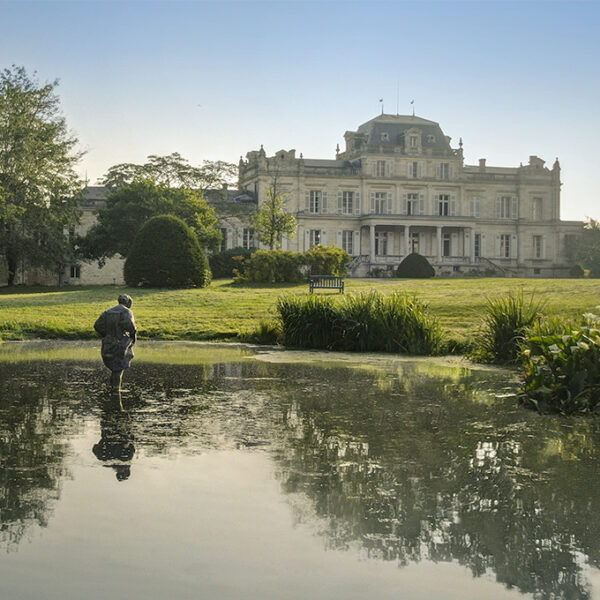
(396,127)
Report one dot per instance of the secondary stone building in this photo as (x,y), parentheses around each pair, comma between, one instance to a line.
(400,187)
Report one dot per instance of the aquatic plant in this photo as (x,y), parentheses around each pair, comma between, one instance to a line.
(504,327)
(563,368)
(368,322)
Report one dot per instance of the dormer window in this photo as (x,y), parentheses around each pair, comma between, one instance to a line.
(413,141)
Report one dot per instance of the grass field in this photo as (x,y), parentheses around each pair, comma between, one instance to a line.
(223,311)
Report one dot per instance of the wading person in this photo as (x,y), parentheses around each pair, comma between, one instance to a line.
(117,328)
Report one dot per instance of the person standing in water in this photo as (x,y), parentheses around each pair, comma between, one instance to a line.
(117,328)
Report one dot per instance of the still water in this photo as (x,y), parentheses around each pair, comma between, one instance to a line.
(233,474)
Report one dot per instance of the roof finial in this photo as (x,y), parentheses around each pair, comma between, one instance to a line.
(413,106)
(337,150)
(460,144)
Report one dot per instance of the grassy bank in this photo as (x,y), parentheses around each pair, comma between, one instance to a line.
(223,311)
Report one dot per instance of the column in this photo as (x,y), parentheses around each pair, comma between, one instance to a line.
(372,243)
(439,244)
(406,240)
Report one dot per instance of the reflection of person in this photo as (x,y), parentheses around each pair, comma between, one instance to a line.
(117,328)
(115,447)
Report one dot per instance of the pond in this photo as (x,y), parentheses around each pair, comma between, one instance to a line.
(233,473)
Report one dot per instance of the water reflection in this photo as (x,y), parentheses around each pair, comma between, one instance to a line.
(115,448)
(404,462)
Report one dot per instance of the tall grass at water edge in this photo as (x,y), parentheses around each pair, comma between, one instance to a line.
(367,322)
(504,329)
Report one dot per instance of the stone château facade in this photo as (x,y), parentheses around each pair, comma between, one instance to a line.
(399,187)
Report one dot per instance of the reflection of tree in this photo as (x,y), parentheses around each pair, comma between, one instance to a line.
(434,474)
(32,451)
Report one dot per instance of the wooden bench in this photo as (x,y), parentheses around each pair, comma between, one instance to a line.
(326,282)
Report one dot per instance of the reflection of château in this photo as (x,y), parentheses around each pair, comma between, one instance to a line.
(409,480)
(399,187)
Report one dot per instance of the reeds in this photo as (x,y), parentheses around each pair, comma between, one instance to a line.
(368,322)
(504,328)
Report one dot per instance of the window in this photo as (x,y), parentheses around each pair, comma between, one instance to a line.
(475,207)
(414,242)
(477,245)
(347,203)
(315,237)
(446,244)
(505,246)
(444,170)
(381,241)
(314,201)
(380,203)
(248,238)
(444,205)
(223,246)
(412,204)
(381,168)
(537,209)
(413,170)
(505,207)
(537,246)
(413,141)
(347,241)
(75,272)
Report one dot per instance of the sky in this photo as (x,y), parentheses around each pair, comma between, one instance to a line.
(214,80)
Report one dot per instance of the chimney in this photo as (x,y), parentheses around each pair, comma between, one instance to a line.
(482,164)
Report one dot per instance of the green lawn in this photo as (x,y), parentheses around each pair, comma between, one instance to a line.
(222,310)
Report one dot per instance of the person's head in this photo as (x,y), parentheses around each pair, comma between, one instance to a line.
(125,300)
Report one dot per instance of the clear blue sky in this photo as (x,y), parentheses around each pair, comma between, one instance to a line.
(215,80)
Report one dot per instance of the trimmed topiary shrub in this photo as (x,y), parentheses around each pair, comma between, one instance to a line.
(327,260)
(415,266)
(166,253)
(229,263)
(272,266)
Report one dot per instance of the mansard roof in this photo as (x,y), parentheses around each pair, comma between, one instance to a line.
(396,128)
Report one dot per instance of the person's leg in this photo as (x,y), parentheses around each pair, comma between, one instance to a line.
(115,379)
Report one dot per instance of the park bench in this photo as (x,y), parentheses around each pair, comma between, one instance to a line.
(326,282)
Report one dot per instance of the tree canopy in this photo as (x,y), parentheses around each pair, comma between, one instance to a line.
(585,249)
(172,171)
(128,207)
(38,183)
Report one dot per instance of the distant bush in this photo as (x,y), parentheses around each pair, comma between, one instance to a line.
(272,266)
(266,332)
(504,328)
(326,260)
(166,253)
(225,263)
(415,266)
(363,323)
(576,271)
(563,368)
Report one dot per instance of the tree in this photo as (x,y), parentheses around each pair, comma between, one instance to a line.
(128,207)
(38,184)
(415,266)
(166,253)
(585,249)
(172,171)
(272,222)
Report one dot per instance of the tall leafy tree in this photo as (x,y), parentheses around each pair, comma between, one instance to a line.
(585,249)
(128,207)
(272,221)
(38,183)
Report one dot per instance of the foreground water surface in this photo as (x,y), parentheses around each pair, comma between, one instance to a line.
(229,473)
